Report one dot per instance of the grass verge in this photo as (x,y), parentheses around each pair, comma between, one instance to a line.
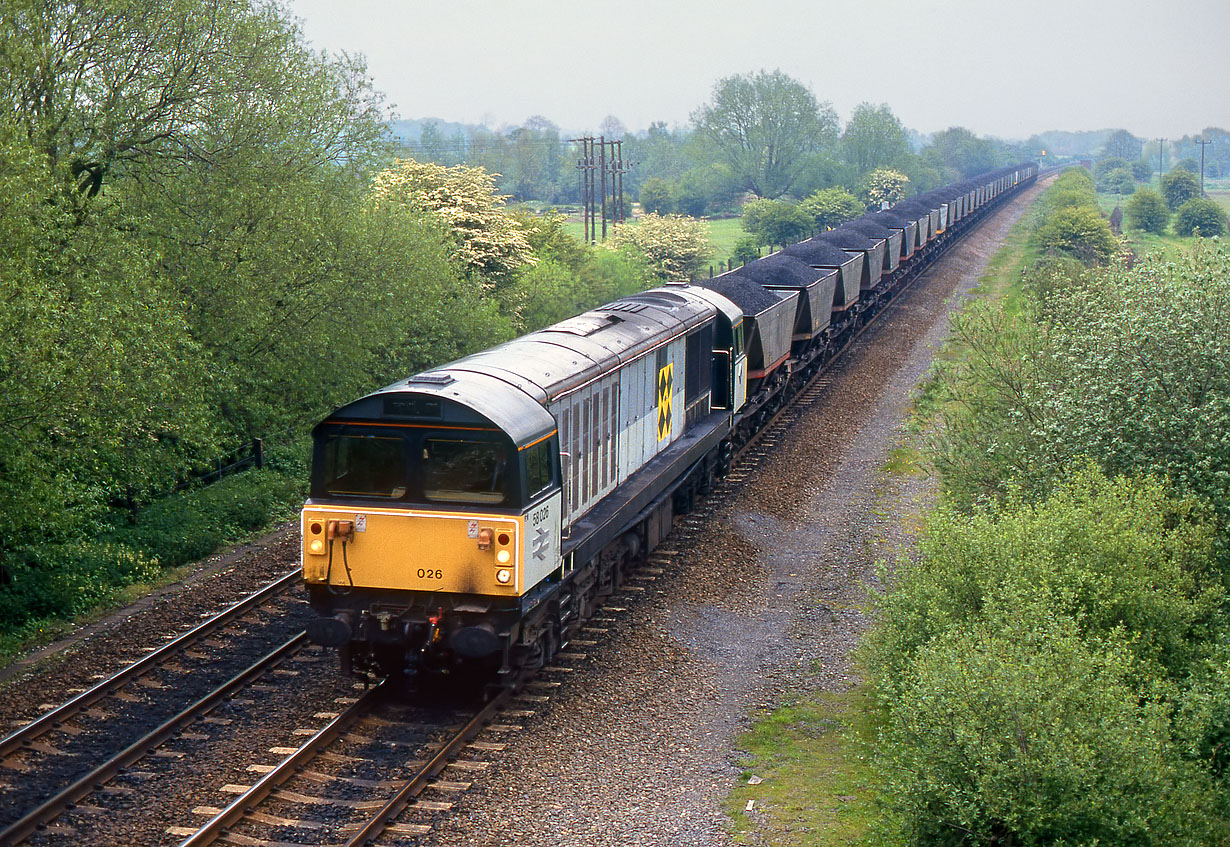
(812,783)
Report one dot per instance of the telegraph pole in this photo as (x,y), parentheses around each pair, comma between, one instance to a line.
(1161,145)
(1202,144)
(602,168)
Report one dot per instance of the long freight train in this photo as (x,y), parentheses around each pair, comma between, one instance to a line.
(472,515)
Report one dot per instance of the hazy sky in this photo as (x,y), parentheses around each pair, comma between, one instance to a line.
(998,68)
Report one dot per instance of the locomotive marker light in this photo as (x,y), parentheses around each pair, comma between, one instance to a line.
(503,555)
(317,545)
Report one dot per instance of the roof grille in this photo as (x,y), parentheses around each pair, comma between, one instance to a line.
(625,306)
(432,379)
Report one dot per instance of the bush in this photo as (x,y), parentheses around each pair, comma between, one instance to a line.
(189,526)
(66,580)
(1147,211)
(1029,737)
(884,185)
(1128,368)
(832,207)
(1200,216)
(1178,187)
(1116,558)
(1118,181)
(1142,170)
(747,250)
(656,197)
(1073,187)
(1105,166)
(674,246)
(1080,232)
(776,222)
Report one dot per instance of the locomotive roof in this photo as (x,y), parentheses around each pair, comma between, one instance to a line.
(569,354)
(511,384)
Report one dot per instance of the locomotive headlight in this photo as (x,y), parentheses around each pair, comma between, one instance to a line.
(503,576)
(503,557)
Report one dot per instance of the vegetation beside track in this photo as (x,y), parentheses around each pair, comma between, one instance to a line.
(1066,539)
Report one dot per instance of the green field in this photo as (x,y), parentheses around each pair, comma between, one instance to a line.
(1218,190)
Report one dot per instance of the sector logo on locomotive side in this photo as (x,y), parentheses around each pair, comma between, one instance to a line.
(666,388)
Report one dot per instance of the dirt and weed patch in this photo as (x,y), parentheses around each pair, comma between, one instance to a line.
(805,778)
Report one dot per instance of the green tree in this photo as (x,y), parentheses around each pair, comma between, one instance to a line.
(746,250)
(764,126)
(1117,181)
(1200,216)
(961,152)
(1080,232)
(660,154)
(832,207)
(1178,187)
(702,189)
(1106,165)
(488,239)
(121,88)
(1110,371)
(1142,170)
(1147,211)
(535,161)
(1123,145)
(432,146)
(676,247)
(884,185)
(656,196)
(776,222)
(874,137)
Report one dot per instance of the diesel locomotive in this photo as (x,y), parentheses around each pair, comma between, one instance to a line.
(470,517)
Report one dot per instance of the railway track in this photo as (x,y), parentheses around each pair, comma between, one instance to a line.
(342,785)
(53,762)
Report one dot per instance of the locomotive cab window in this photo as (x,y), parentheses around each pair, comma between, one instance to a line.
(464,471)
(364,466)
(538,467)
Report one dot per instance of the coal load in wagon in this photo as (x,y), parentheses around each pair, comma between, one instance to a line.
(891,237)
(823,254)
(918,213)
(768,321)
(782,272)
(909,228)
(871,249)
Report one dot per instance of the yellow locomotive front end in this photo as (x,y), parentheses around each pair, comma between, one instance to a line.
(429,527)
